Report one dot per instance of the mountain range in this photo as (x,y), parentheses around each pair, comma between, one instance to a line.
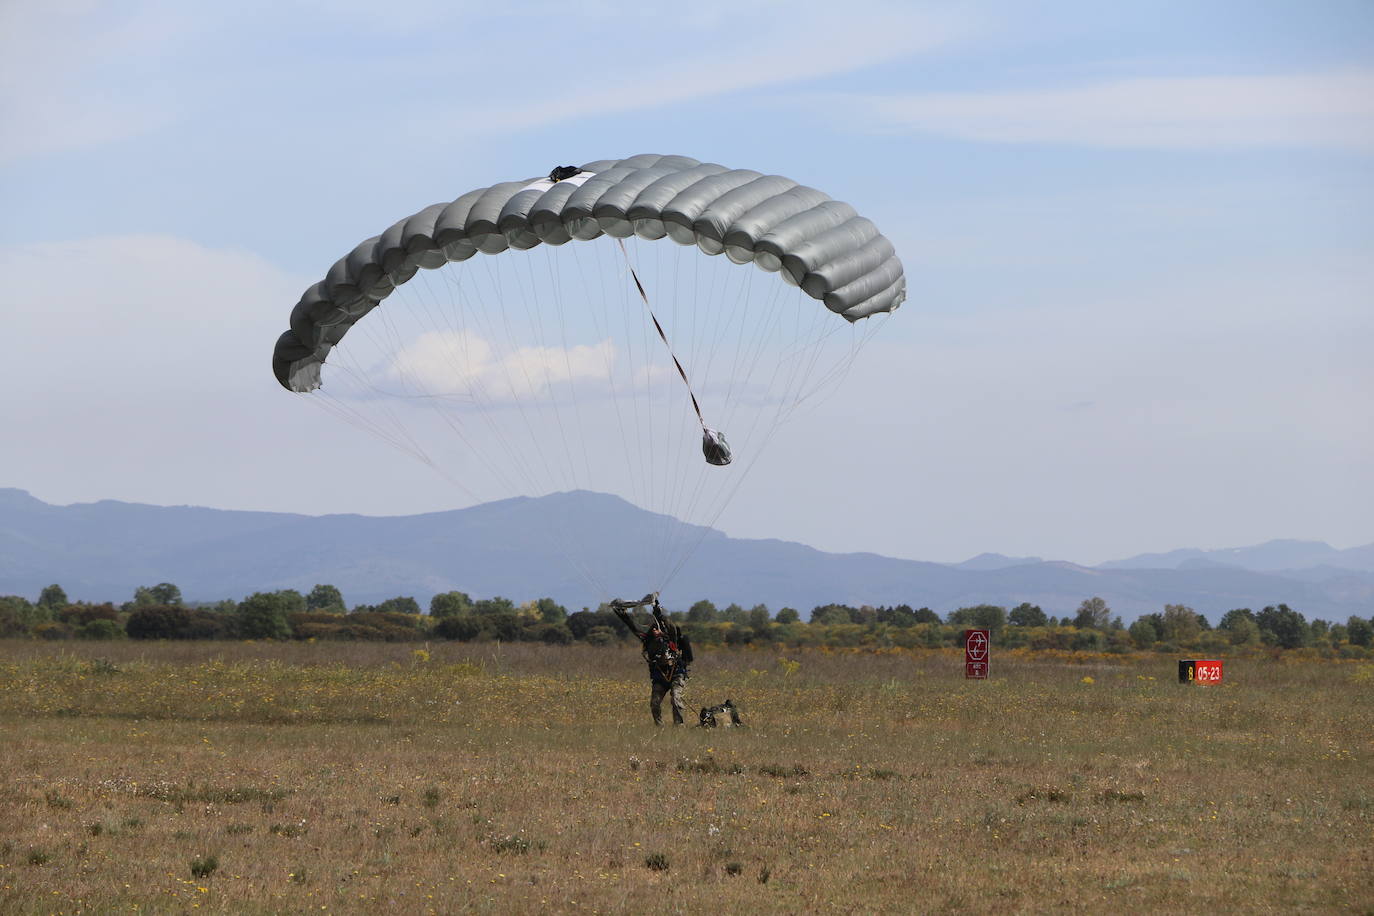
(102,551)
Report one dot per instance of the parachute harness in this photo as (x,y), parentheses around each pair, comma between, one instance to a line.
(713,444)
(664,655)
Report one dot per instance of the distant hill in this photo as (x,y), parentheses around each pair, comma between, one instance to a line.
(104,550)
(1273,556)
(995,561)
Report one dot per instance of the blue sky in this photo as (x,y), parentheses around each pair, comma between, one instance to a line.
(1139,240)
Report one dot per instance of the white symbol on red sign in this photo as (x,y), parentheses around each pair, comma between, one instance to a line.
(977,646)
(1209,672)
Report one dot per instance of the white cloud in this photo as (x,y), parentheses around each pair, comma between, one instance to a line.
(1330,110)
(464,365)
(123,314)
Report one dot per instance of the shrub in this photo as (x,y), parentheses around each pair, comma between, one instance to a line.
(203,866)
(53,630)
(600,636)
(101,629)
(79,615)
(554,634)
(514,843)
(158,621)
(582,623)
(262,615)
(464,628)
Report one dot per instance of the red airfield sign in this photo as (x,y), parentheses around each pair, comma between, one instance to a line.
(976,644)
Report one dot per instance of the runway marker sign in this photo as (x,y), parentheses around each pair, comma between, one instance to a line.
(1199,671)
(976,643)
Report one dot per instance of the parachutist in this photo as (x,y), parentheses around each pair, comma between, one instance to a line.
(666,649)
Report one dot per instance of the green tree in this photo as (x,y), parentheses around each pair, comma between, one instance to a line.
(1143,633)
(164,593)
(551,611)
(326,599)
(1233,616)
(1242,632)
(1026,614)
(1181,625)
(901,616)
(450,604)
(263,615)
(53,598)
(1359,631)
(399,605)
(1283,627)
(1093,614)
(759,617)
(18,615)
(829,615)
(733,613)
(702,612)
(490,607)
(983,616)
(788,615)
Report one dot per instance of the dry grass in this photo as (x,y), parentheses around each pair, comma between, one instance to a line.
(264,778)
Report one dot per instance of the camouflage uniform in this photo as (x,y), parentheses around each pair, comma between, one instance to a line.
(668,652)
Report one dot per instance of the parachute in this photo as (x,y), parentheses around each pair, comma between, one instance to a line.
(535,372)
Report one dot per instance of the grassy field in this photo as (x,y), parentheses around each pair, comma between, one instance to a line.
(264,778)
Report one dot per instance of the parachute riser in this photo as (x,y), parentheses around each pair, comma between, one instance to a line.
(713,444)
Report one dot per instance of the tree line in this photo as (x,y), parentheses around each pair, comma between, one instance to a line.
(159,612)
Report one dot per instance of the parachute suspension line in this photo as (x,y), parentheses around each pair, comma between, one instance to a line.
(556,285)
(559,534)
(439,315)
(462,311)
(756,447)
(668,496)
(634,328)
(394,432)
(601,324)
(658,327)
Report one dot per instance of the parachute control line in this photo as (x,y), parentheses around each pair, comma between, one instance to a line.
(713,444)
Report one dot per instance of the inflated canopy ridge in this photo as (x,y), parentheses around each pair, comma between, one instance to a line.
(819,244)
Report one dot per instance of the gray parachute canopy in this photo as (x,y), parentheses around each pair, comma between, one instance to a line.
(819,244)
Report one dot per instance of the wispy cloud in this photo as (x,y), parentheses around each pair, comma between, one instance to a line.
(803,43)
(125,314)
(1328,110)
(77,74)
